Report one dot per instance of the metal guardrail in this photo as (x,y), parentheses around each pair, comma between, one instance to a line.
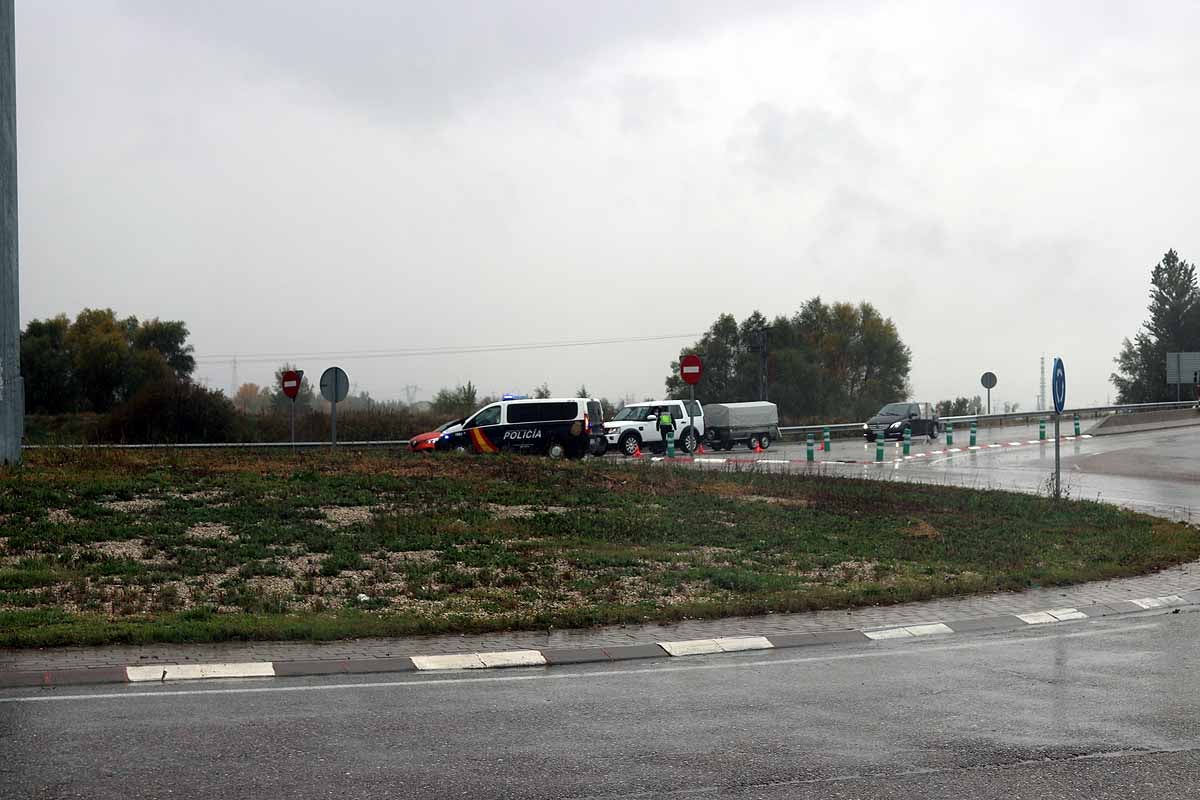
(216,445)
(1027,415)
(841,426)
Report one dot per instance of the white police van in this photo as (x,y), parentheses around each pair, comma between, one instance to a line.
(554,426)
(636,426)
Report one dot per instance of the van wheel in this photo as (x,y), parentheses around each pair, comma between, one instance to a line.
(556,450)
(629,443)
(764,441)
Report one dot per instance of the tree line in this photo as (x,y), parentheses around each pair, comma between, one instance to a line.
(827,362)
(1173,326)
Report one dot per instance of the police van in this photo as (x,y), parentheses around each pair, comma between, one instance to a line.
(555,426)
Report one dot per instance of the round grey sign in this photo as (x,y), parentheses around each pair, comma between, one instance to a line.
(334,384)
(988,380)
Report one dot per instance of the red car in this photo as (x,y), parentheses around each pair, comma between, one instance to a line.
(427,442)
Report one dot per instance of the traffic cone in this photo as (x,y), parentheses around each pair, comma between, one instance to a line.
(700,449)
(757,446)
(637,453)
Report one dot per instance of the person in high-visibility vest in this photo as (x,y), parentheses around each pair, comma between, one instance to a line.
(665,423)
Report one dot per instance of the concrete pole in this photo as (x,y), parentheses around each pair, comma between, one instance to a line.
(12,390)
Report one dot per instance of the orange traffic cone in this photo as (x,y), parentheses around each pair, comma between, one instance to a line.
(637,453)
(757,446)
(700,448)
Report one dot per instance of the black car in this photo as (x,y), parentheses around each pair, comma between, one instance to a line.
(895,418)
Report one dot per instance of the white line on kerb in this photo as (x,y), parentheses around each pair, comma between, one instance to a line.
(664,668)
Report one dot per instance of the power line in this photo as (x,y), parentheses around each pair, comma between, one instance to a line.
(435,351)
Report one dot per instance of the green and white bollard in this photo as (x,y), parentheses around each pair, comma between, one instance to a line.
(972,433)
(810,447)
(879,437)
(825,440)
(670,444)
(1077,425)
(1042,429)
(907,440)
(949,434)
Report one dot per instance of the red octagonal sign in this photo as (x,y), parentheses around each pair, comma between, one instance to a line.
(690,369)
(290,381)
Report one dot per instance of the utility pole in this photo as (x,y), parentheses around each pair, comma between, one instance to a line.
(410,393)
(233,390)
(760,343)
(12,388)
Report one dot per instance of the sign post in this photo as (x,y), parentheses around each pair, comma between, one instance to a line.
(690,369)
(1059,390)
(988,379)
(334,388)
(290,383)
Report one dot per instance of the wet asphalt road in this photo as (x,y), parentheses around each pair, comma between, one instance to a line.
(1156,472)
(1098,709)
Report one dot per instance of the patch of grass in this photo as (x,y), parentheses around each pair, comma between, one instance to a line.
(192,546)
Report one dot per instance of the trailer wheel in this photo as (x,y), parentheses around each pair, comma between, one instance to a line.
(764,440)
(752,443)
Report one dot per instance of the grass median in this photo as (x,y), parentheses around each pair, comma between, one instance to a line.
(115,546)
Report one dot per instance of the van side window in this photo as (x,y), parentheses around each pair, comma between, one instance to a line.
(542,412)
(489,416)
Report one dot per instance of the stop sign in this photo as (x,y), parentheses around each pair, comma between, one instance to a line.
(290,381)
(690,369)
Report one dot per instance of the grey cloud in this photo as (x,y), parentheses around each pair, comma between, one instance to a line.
(420,61)
(790,145)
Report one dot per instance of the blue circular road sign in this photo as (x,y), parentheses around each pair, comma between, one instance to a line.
(1059,386)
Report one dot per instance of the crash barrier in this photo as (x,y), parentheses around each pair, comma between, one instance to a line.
(853,429)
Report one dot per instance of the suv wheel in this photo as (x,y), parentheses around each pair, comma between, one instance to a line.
(629,443)
(688,441)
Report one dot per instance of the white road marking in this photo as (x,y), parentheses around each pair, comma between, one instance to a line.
(513,658)
(195,672)
(1014,444)
(692,647)
(454,661)
(888,633)
(1158,602)
(1037,618)
(928,629)
(732,664)
(736,644)
(1064,614)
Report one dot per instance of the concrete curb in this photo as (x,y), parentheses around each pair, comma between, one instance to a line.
(161,673)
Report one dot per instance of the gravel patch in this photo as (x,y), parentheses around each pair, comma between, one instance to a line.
(132,506)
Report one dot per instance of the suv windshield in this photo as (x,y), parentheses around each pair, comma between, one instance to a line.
(893,410)
(631,412)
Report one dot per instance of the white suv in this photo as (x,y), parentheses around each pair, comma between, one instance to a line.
(636,426)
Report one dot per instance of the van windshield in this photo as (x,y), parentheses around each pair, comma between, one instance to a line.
(631,412)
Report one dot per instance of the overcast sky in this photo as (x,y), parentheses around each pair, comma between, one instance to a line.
(310,177)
